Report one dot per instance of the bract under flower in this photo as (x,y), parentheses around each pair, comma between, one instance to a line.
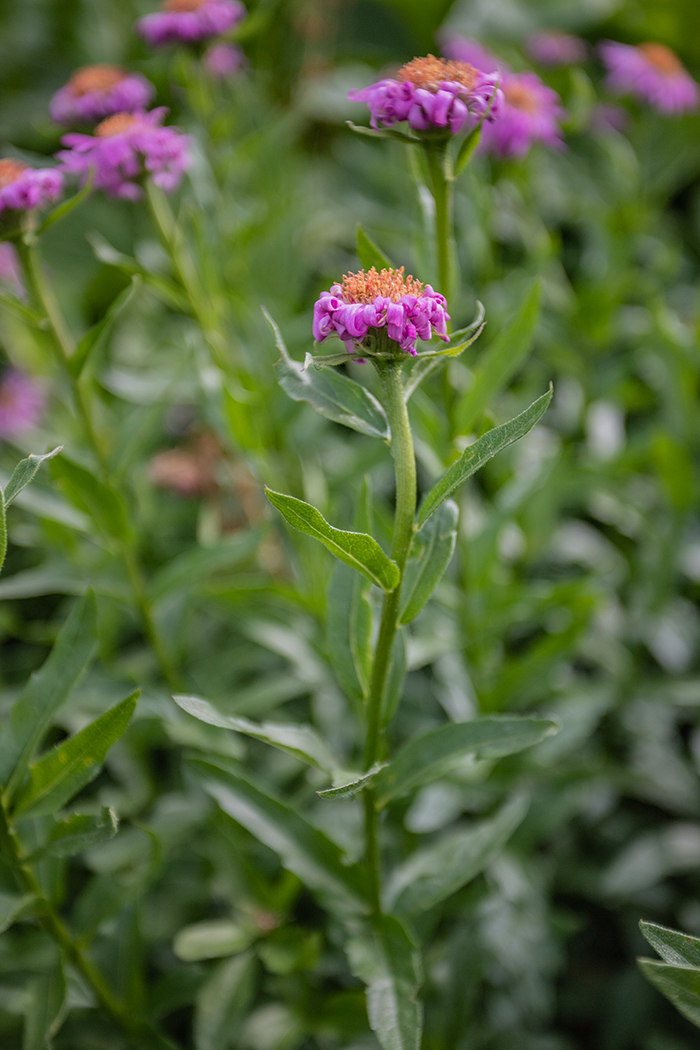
(530,113)
(380,312)
(651,72)
(21,403)
(189,21)
(23,188)
(96,92)
(124,148)
(432,94)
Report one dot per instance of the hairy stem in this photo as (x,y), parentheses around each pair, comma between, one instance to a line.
(441,186)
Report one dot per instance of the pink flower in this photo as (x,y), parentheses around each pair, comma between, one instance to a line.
(96,92)
(23,188)
(463,49)
(653,73)
(224,61)
(10,273)
(371,311)
(188,21)
(125,148)
(21,403)
(431,93)
(530,113)
(556,49)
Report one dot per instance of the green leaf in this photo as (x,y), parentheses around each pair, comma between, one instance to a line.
(45,692)
(334,396)
(24,472)
(66,207)
(59,774)
(13,908)
(192,568)
(211,940)
(435,753)
(358,550)
(223,1001)
(428,558)
(350,788)
(104,505)
(680,985)
(95,335)
(45,1009)
(396,676)
(466,150)
(370,254)
(674,947)
(302,848)
(382,133)
(81,831)
(389,964)
(167,290)
(432,874)
(474,457)
(299,740)
(500,362)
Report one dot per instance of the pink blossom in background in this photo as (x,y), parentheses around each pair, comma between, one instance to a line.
(556,49)
(402,309)
(608,117)
(22,402)
(124,148)
(224,61)
(96,92)
(23,188)
(10,271)
(431,93)
(189,21)
(530,113)
(651,72)
(464,49)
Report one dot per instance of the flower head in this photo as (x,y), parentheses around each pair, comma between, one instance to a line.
(431,93)
(21,403)
(23,188)
(371,311)
(189,21)
(530,113)
(224,61)
(556,49)
(124,148)
(96,92)
(653,73)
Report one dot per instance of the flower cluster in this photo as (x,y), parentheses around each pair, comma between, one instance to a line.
(387,304)
(432,94)
(21,403)
(23,188)
(651,72)
(190,21)
(96,92)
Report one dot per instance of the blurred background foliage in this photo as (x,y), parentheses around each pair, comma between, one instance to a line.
(573,590)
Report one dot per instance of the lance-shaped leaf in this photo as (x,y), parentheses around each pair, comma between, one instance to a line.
(103,504)
(81,831)
(302,848)
(100,331)
(62,772)
(435,873)
(24,472)
(474,456)
(387,961)
(429,556)
(13,908)
(435,753)
(370,254)
(332,395)
(680,985)
(211,940)
(674,947)
(349,785)
(299,740)
(396,676)
(223,1001)
(45,1009)
(356,549)
(46,691)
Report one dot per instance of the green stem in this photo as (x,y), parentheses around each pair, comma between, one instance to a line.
(391,383)
(441,185)
(138,1030)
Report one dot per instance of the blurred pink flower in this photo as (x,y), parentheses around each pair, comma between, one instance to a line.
(653,73)
(10,272)
(530,113)
(464,49)
(608,117)
(189,21)
(556,49)
(224,61)
(96,92)
(22,402)
(124,148)
(23,188)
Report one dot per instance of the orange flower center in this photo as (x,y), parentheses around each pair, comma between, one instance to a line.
(115,125)
(182,5)
(94,78)
(364,287)
(430,72)
(662,57)
(10,170)
(520,97)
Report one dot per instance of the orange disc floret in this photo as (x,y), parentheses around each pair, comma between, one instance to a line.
(115,125)
(662,57)
(430,72)
(10,171)
(95,78)
(364,287)
(520,96)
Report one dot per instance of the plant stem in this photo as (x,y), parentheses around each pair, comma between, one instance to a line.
(441,185)
(391,383)
(138,1030)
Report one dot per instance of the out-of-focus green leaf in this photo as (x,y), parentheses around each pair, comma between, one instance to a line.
(223,1001)
(382,133)
(302,741)
(396,676)
(66,207)
(166,289)
(195,565)
(432,874)
(46,691)
(431,755)
(63,771)
(679,949)
(24,472)
(334,396)
(211,940)
(680,985)
(370,254)
(476,455)
(431,550)
(356,549)
(104,505)
(303,849)
(349,788)
(80,832)
(95,335)
(45,1010)
(389,964)
(13,908)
